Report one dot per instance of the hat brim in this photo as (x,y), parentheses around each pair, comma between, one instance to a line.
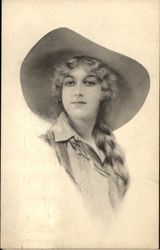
(63,43)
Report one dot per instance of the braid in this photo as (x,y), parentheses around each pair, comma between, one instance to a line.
(115,162)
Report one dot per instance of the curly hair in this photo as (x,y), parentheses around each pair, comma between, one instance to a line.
(104,74)
(104,138)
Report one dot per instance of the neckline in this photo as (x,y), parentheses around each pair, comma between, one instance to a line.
(93,153)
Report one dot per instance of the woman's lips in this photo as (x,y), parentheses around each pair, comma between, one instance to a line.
(79,102)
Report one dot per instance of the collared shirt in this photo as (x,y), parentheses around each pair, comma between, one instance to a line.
(83,164)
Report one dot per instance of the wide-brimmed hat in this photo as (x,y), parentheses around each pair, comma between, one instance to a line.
(60,45)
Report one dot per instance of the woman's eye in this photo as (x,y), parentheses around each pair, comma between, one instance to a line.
(71,83)
(90,83)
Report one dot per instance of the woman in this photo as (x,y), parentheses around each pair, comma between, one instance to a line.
(88,91)
(83,142)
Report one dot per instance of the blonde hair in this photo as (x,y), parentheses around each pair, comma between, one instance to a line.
(104,137)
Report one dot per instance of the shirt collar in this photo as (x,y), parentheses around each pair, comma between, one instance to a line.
(62,129)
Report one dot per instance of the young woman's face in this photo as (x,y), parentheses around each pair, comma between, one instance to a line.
(81,94)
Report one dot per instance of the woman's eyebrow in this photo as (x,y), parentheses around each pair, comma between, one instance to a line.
(91,76)
(68,76)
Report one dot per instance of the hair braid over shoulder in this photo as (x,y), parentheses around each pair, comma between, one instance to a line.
(115,165)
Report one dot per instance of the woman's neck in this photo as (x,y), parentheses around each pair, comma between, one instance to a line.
(83,128)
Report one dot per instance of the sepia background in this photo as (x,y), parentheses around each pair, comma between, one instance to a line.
(127,27)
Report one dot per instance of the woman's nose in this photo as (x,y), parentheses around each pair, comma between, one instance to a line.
(79,89)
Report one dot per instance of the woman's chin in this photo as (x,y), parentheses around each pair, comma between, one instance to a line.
(79,115)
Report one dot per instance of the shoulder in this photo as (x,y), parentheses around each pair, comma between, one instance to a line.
(48,137)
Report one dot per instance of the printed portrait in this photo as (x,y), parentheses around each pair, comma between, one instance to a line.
(80,117)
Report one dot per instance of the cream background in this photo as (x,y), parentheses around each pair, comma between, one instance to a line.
(128,27)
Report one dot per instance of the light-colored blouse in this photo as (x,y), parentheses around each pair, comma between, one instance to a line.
(101,190)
